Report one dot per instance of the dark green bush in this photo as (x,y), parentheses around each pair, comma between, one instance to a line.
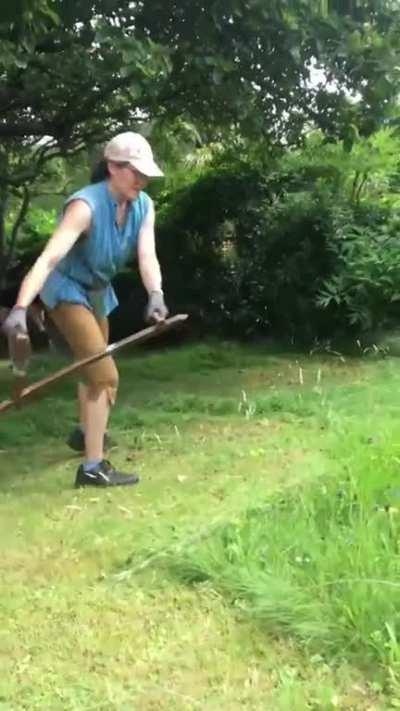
(252,251)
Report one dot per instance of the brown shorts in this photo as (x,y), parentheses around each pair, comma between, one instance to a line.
(86,335)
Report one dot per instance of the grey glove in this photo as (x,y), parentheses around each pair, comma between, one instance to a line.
(19,345)
(156,309)
(15,322)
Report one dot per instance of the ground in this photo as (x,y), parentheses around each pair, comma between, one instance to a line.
(90,618)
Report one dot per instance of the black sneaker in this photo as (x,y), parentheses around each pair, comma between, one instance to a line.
(76,441)
(103,475)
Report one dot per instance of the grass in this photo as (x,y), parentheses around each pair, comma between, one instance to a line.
(320,566)
(255,566)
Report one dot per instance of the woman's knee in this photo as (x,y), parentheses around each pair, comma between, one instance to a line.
(94,392)
(102,376)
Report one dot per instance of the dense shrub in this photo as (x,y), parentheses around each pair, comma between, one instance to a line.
(38,227)
(281,250)
(365,281)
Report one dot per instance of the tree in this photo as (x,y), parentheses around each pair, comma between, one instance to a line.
(62,89)
(72,72)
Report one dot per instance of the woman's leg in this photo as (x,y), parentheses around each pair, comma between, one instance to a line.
(82,397)
(86,336)
(82,387)
(97,413)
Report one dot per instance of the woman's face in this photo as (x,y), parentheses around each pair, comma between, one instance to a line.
(125,181)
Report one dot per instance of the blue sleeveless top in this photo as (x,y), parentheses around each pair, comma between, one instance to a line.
(83,276)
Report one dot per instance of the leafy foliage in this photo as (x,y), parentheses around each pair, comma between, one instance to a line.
(285,245)
(72,72)
(366,277)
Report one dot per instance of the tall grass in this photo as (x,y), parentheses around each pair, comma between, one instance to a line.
(320,564)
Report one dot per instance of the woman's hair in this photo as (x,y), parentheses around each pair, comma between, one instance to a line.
(100,171)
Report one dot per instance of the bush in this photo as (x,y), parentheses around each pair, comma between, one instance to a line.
(251,251)
(194,235)
(364,284)
(38,227)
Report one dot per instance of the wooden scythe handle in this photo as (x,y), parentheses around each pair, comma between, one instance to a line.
(145,335)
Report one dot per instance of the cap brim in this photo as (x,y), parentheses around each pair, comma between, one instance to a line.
(148,168)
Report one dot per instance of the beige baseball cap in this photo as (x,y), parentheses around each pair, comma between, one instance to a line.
(133,148)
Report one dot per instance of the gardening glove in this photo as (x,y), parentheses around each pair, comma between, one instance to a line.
(19,345)
(156,310)
(15,322)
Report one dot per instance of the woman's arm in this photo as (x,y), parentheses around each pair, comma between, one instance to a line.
(76,220)
(149,266)
(150,271)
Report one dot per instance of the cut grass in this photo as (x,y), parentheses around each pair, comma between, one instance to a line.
(90,615)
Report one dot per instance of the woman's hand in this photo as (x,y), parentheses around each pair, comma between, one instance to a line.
(15,322)
(19,345)
(156,310)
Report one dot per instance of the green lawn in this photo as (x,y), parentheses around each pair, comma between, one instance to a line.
(94,613)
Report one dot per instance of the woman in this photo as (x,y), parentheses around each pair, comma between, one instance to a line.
(102,226)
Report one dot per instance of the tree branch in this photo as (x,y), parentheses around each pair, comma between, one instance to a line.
(354,186)
(22,129)
(42,155)
(17,224)
(360,187)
